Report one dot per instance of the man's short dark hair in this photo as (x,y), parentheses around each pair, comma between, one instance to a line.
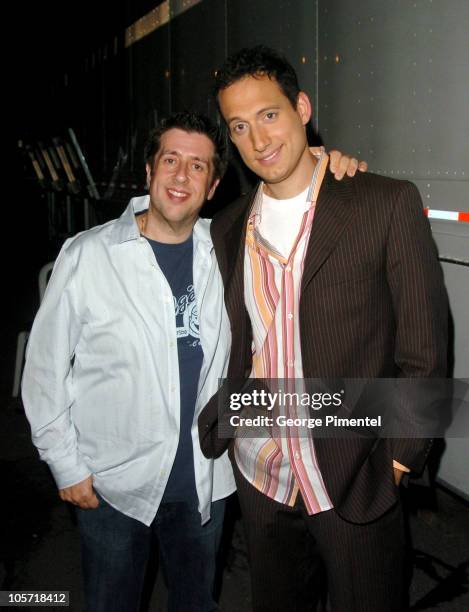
(189,122)
(259,61)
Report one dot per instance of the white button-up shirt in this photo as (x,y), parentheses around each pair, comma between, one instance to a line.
(101,380)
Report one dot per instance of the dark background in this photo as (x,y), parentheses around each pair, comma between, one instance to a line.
(66,65)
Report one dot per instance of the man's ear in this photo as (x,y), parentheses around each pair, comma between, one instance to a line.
(149,173)
(303,107)
(211,193)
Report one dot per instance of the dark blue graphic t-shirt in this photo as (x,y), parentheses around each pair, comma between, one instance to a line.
(175,261)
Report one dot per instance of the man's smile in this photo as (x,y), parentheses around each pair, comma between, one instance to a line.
(176,195)
(270,158)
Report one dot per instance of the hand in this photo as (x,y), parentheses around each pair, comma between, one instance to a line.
(343,164)
(81,494)
(398,474)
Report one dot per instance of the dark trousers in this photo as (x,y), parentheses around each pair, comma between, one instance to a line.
(290,554)
(116,548)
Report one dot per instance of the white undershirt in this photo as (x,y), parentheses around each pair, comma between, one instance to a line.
(281,219)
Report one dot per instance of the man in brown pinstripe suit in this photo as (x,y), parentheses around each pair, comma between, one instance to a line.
(322,280)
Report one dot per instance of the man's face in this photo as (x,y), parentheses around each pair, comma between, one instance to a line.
(181,179)
(267,131)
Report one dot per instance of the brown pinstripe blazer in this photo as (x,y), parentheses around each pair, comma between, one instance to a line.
(373,304)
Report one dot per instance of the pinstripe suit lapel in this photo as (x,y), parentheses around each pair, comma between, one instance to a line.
(234,291)
(229,240)
(334,210)
(229,243)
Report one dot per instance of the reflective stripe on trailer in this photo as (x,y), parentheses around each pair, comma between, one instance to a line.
(447,215)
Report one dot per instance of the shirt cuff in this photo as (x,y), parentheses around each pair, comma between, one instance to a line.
(69,471)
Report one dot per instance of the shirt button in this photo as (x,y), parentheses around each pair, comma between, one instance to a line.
(290,316)
(290,364)
(173,389)
(171,345)
(297,455)
(288,268)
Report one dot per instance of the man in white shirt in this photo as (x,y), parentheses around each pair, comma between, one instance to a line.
(114,381)
(128,346)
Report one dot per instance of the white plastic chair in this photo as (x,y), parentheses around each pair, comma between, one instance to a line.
(22,340)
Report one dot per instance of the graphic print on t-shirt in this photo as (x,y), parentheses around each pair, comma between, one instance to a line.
(187,316)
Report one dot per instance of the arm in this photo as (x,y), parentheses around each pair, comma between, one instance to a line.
(420,308)
(47,380)
(211,444)
(215,429)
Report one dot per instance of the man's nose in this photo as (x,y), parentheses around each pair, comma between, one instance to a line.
(181,175)
(260,139)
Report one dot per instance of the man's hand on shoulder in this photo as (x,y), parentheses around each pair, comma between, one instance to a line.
(81,494)
(340,165)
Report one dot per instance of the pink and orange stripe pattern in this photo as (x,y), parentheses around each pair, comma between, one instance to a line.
(282,463)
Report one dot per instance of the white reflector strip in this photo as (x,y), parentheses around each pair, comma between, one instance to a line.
(449,215)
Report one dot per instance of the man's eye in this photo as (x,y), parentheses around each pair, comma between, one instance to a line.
(169,160)
(270,116)
(239,128)
(197,167)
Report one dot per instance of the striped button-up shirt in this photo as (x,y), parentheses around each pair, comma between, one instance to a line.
(280,464)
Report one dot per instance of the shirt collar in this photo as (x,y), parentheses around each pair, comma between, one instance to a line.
(125,228)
